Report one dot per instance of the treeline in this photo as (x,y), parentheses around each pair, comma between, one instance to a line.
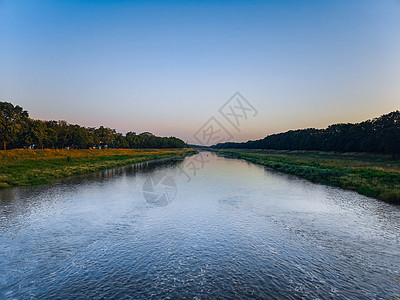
(379,135)
(17,130)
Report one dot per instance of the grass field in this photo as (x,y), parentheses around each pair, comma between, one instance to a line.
(371,175)
(32,167)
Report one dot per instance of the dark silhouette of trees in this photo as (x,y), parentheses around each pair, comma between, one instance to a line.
(379,135)
(17,130)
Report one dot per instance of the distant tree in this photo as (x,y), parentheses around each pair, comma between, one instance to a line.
(11,122)
(380,135)
(132,140)
(120,141)
(391,141)
(62,134)
(78,137)
(51,134)
(36,133)
(18,130)
(105,135)
(93,139)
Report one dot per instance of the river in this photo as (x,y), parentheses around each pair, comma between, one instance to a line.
(231,230)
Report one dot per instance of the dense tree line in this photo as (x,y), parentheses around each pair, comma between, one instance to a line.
(17,130)
(379,135)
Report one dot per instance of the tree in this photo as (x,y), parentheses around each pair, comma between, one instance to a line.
(391,141)
(18,130)
(132,139)
(62,134)
(11,121)
(36,134)
(105,135)
(120,141)
(380,135)
(51,134)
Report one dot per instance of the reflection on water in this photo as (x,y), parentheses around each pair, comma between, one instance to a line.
(236,230)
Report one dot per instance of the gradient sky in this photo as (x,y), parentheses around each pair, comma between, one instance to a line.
(168,66)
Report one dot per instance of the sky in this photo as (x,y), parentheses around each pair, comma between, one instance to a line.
(167,67)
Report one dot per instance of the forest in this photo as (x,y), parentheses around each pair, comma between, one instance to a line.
(18,130)
(379,135)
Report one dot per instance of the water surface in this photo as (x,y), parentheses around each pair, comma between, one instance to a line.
(235,230)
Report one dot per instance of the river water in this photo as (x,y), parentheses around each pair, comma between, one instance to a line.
(232,230)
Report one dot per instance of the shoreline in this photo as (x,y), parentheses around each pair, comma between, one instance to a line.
(377,178)
(21,167)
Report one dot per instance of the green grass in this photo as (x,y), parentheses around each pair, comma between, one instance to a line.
(33,167)
(371,175)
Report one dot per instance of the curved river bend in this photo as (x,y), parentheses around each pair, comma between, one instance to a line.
(235,230)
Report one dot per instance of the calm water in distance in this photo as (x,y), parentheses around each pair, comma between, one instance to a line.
(236,230)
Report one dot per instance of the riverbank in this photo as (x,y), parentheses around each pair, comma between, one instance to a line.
(33,167)
(371,175)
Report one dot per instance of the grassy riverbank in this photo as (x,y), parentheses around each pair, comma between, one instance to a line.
(32,167)
(372,175)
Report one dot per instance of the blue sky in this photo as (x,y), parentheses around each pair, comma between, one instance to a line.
(168,66)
